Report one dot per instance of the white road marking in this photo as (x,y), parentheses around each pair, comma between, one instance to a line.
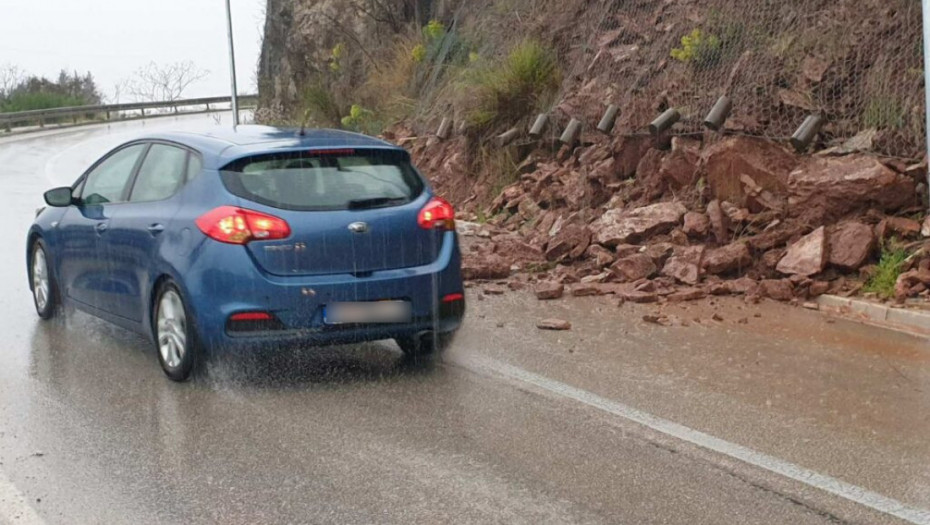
(848,491)
(14,508)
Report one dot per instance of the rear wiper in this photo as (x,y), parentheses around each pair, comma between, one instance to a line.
(377,202)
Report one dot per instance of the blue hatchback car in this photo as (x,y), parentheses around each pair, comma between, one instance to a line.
(257,237)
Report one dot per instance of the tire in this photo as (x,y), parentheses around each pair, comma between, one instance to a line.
(427,345)
(42,282)
(176,341)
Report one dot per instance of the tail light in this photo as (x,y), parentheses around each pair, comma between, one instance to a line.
(437,213)
(257,321)
(234,225)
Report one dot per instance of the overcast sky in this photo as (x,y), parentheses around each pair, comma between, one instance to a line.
(113,38)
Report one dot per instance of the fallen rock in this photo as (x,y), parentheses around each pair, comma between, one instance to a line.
(512,247)
(635,296)
(586,290)
(624,250)
(898,226)
(657,319)
(554,324)
(634,267)
(818,288)
(808,256)
(730,258)
(777,289)
(851,244)
(488,266)
(493,290)
(765,162)
(597,278)
(659,252)
(548,290)
(602,256)
(696,224)
(569,243)
(825,189)
(686,294)
(719,222)
(679,168)
(925,227)
(685,265)
(619,226)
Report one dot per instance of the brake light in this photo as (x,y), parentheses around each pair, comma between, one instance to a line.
(437,213)
(234,225)
(251,316)
(453,297)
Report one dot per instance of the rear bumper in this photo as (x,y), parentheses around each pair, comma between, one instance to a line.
(224,280)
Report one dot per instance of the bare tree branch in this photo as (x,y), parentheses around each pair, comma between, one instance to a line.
(10,77)
(157,83)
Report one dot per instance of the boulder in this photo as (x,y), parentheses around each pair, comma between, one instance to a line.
(765,162)
(548,290)
(489,266)
(512,247)
(569,243)
(730,258)
(648,175)
(807,256)
(719,222)
(685,265)
(825,189)
(851,244)
(660,251)
(630,151)
(897,226)
(623,250)
(554,324)
(679,168)
(696,224)
(778,289)
(634,267)
(686,294)
(619,226)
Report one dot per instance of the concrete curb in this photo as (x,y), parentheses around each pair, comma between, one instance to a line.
(913,322)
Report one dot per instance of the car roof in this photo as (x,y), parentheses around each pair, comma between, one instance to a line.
(222,145)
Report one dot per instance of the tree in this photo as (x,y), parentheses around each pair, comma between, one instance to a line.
(10,77)
(157,83)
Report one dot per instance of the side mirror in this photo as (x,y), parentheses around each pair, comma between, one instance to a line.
(59,197)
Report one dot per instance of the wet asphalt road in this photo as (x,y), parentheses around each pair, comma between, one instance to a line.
(512,425)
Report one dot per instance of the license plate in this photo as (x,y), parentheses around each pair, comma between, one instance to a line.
(368,312)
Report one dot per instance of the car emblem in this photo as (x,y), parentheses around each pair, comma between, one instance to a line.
(358,227)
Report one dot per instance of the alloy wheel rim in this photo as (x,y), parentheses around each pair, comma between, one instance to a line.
(171,329)
(40,286)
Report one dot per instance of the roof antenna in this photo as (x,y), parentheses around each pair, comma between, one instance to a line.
(303,123)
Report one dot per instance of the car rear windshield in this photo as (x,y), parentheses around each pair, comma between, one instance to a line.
(325,180)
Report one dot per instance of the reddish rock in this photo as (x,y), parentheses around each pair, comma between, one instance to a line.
(659,252)
(634,296)
(586,289)
(897,226)
(730,258)
(512,247)
(648,175)
(818,288)
(678,237)
(493,290)
(624,250)
(825,189)
(602,256)
(679,168)
(766,162)
(686,294)
(743,285)
(630,151)
(808,256)
(851,244)
(618,226)
(547,290)
(685,265)
(719,222)
(569,243)
(925,227)
(554,324)
(634,267)
(485,267)
(696,224)
(778,289)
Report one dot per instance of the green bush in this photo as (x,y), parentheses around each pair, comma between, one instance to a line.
(360,120)
(25,101)
(883,112)
(513,88)
(321,105)
(703,50)
(886,274)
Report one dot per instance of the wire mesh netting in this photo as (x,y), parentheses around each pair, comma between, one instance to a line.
(858,63)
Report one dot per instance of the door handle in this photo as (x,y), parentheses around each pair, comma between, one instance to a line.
(155,229)
(101,227)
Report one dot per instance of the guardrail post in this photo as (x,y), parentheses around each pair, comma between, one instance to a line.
(143,112)
(208,107)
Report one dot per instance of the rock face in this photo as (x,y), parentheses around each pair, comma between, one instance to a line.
(765,162)
(825,189)
(851,243)
(569,243)
(618,226)
(730,258)
(807,256)
(634,267)
(685,265)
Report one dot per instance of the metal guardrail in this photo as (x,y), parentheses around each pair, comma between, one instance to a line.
(108,112)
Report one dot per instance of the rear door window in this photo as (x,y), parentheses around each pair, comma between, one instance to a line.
(325,180)
(162,173)
(108,180)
